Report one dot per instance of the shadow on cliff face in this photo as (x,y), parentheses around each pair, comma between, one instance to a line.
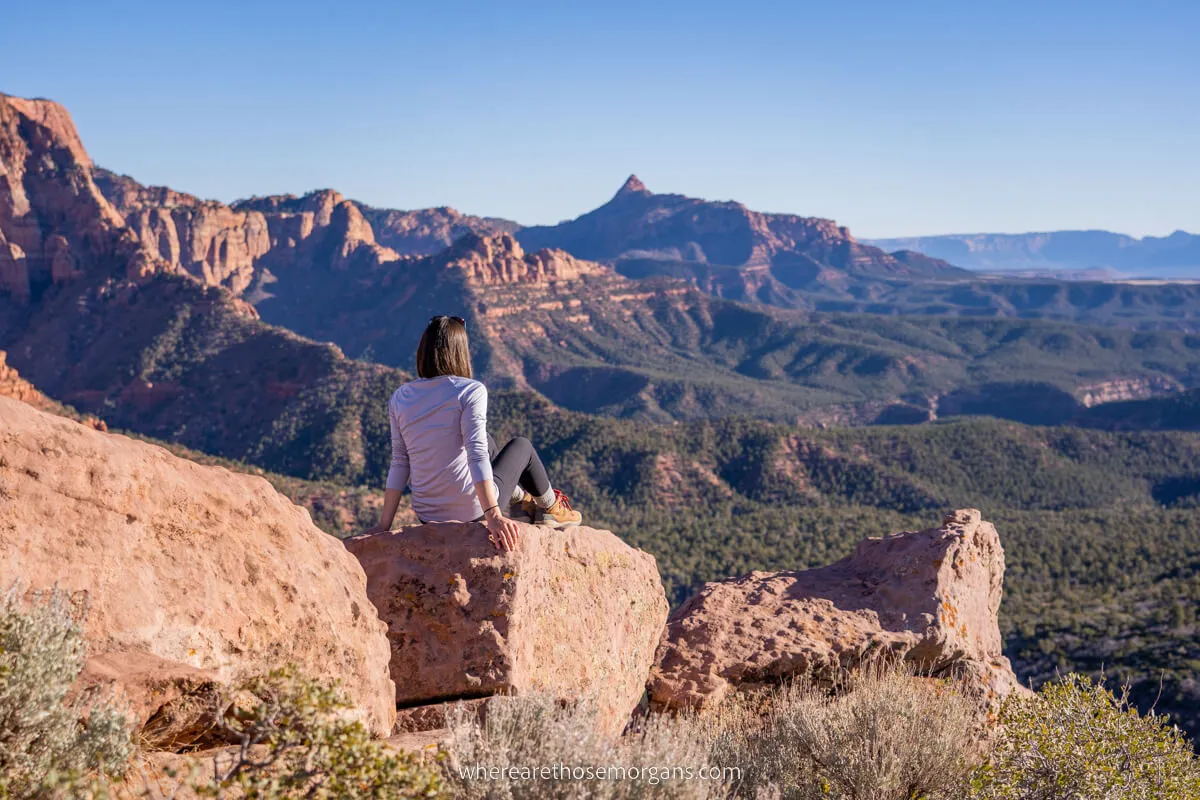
(1045,404)
(1028,403)
(1178,492)
(1173,412)
(593,389)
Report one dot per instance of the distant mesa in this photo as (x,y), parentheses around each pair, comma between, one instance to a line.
(1103,255)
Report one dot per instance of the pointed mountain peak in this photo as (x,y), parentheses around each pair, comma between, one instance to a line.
(632,185)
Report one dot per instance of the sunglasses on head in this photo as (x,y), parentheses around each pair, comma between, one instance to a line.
(439,317)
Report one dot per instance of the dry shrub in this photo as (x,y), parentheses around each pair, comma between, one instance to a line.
(1076,739)
(52,743)
(881,735)
(300,740)
(884,735)
(500,756)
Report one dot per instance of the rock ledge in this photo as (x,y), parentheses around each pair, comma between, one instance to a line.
(574,613)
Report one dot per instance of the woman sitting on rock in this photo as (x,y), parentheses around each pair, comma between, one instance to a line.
(442,450)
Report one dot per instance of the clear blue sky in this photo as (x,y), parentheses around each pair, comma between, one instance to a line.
(895,118)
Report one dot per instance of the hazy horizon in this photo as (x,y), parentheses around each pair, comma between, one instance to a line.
(893,122)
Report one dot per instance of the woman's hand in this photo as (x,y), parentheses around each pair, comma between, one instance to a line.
(380,528)
(505,533)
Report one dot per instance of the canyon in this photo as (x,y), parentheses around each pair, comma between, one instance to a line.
(185,285)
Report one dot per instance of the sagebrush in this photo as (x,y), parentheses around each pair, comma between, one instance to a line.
(301,740)
(53,743)
(879,734)
(884,735)
(536,747)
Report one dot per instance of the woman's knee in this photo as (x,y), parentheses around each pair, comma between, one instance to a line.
(521,442)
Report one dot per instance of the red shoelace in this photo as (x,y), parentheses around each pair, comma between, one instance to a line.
(559,497)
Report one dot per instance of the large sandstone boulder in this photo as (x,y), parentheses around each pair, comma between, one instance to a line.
(575,613)
(195,575)
(929,597)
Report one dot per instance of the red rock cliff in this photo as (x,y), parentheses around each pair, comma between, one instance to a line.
(54,221)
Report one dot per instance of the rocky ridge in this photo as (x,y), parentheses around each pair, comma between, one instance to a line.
(643,228)
(516,302)
(253,243)
(97,317)
(202,238)
(429,230)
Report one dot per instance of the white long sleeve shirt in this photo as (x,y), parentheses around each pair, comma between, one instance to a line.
(439,446)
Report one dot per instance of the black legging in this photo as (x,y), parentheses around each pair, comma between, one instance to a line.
(517,463)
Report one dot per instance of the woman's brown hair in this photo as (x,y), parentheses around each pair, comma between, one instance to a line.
(443,349)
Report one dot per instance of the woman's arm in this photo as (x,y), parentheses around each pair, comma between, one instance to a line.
(505,533)
(391,502)
(397,477)
(473,427)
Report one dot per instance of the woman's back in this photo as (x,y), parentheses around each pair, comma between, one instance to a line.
(439,445)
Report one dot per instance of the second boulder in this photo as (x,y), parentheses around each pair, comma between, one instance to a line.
(576,614)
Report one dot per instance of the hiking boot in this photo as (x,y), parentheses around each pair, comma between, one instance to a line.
(524,510)
(560,515)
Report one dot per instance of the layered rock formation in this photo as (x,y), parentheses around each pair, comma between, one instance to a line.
(14,386)
(136,303)
(249,245)
(141,324)
(321,231)
(574,613)
(930,598)
(525,309)
(487,260)
(194,576)
(205,239)
(1121,390)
